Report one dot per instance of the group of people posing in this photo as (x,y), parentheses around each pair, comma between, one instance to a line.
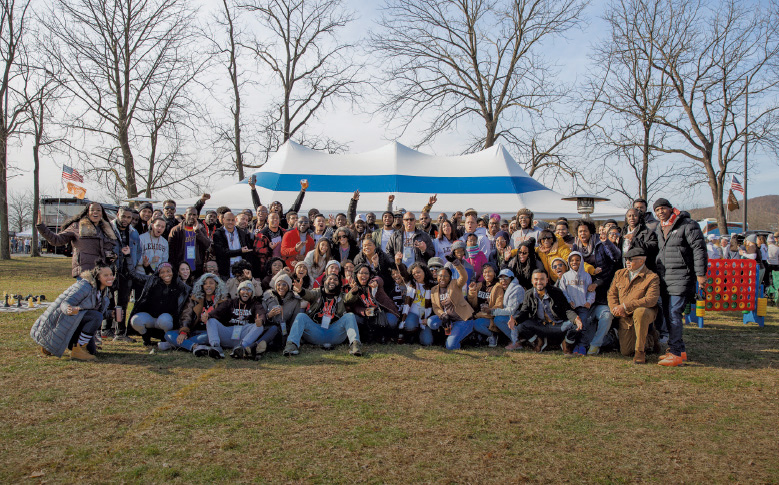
(245,282)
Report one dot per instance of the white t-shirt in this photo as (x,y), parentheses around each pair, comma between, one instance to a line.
(386,234)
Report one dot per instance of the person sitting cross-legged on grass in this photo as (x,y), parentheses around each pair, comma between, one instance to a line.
(326,321)
(281,304)
(75,316)
(546,314)
(633,298)
(207,293)
(450,307)
(160,301)
(238,324)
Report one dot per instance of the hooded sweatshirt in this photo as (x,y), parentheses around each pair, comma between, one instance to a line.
(512,300)
(574,284)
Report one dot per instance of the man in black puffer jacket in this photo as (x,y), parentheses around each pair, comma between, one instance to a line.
(681,259)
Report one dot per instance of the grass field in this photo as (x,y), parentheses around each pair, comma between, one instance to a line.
(398,414)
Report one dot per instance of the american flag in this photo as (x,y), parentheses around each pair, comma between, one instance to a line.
(736,185)
(71,174)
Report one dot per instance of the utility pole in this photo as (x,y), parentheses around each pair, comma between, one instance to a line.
(746,149)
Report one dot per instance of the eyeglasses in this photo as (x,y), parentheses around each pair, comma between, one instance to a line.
(555,266)
(524,252)
(170,208)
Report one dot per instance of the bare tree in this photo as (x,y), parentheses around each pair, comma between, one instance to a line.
(13,26)
(310,64)
(633,95)
(20,207)
(461,60)
(41,94)
(127,64)
(715,56)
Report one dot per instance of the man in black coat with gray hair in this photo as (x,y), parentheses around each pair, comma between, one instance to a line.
(681,259)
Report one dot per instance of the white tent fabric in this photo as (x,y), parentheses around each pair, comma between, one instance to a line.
(489,181)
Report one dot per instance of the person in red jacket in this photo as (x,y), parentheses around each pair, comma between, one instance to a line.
(297,243)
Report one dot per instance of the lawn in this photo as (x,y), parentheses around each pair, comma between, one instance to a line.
(397,414)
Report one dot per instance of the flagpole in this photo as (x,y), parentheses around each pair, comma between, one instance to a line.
(746,149)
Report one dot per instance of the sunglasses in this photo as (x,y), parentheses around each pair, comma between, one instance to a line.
(170,208)
(405,219)
(546,237)
(524,252)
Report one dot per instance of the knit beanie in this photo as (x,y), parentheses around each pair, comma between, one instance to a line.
(662,203)
(282,278)
(247,285)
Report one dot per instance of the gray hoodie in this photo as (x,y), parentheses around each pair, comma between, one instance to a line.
(574,284)
(512,300)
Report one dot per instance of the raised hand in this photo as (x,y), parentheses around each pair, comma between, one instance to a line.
(391,198)
(433,199)
(297,286)
(145,260)
(356,195)
(205,196)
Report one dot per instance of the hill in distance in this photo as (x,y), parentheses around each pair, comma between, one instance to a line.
(763,213)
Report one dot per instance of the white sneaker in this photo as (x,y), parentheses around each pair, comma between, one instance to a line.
(492,341)
(164,346)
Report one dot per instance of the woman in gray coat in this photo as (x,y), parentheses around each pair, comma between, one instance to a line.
(81,308)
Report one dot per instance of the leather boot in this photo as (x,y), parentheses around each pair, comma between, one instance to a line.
(639,358)
(80,352)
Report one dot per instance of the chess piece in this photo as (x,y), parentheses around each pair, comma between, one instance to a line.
(30,303)
(6,305)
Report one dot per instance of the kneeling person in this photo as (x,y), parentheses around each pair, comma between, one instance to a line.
(633,297)
(326,321)
(238,323)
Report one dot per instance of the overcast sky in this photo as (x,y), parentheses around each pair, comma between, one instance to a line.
(364,133)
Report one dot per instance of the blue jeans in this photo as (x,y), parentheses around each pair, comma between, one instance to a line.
(502,322)
(426,332)
(460,330)
(199,338)
(220,335)
(340,330)
(673,306)
(596,326)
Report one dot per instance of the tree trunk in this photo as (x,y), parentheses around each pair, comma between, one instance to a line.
(643,189)
(129,164)
(489,138)
(34,252)
(5,240)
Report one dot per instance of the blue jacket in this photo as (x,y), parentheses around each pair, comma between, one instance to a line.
(135,247)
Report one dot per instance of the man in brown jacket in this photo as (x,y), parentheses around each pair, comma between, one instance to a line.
(633,298)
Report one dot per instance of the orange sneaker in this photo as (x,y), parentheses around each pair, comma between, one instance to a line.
(668,353)
(672,361)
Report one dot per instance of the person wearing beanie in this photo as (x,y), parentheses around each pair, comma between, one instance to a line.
(242,270)
(145,210)
(681,261)
(238,323)
(281,305)
(525,229)
(633,298)
(459,255)
(333,267)
(326,322)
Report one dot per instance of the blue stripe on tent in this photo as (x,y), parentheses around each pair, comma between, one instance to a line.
(399,183)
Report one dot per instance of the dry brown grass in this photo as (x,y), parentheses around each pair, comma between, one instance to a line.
(398,414)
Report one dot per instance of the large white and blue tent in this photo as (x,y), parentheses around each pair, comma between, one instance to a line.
(489,181)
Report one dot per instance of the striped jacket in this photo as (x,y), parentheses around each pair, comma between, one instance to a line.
(408,300)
